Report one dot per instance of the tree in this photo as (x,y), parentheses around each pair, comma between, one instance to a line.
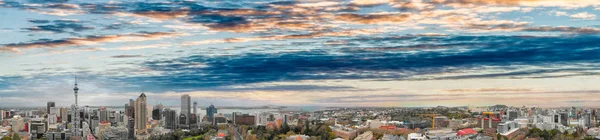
(307,130)
(251,137)
(16,137)
(284,128)
(6,138)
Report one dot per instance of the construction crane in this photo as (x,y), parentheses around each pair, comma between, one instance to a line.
(432,118)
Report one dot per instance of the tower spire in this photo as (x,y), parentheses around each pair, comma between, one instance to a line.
(76,90)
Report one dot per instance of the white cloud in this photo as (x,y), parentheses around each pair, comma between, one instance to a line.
(369,2)
(584,16)
(560,13)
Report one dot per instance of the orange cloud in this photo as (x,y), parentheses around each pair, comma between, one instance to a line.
(90,40)
(375,18)
(491,90)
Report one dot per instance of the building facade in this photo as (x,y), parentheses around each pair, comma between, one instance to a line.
(140,114)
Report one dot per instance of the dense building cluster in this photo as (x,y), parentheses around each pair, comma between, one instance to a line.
(138,119)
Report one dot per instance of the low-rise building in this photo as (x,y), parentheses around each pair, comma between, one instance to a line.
(298,137)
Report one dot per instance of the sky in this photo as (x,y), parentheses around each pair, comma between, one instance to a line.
(392,53)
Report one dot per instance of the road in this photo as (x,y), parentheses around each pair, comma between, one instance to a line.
(237,136)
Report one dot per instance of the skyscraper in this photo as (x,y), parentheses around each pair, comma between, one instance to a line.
(132,108)
(50,104)
(170,119)
(210,114)
(149,109)
(64,113)
(156,114)
(186,108)
(127,110)
(195,106)
(103,114)
(140,114)
(130,127)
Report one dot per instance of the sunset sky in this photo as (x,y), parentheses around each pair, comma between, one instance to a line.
(401,53)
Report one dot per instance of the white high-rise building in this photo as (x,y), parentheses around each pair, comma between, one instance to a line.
(52,119)
(86,130)
(149,108)
(17,123)
(140,114)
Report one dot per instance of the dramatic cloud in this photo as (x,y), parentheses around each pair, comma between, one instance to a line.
(378,18)
(89,40)
(126,56)
(339,53)
(59,27)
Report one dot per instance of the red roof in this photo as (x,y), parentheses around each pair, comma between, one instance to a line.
(221,135)
(389,127)
(466,131)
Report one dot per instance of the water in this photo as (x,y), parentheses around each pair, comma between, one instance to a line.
(202,111)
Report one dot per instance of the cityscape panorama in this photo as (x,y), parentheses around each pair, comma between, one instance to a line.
(299,69)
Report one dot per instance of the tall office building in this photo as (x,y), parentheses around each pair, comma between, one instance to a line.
(140,114)
(195,108)
(50,104)
(103,114)
(64,113)
(186,108)
(132,108)
(182,122)
(170,119)
(127,110)
(149,108)
(131,128)
(157,114)
(210,114)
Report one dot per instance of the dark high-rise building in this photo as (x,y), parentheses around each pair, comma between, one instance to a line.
(194,108)
(157,114)
(233,116)
(127,110)
(50,104)
(182,121)
(210,114)
(564,118)
(512,115)
(132,108)
(170,119)
(186,108)
(193,119)
(131,128)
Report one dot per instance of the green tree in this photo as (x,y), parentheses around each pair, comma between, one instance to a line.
(6,138)
(307,130)
(284,128)
(16,137)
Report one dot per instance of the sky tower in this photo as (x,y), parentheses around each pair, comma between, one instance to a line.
(76,90)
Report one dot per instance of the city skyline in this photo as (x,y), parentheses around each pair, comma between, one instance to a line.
(301,53)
